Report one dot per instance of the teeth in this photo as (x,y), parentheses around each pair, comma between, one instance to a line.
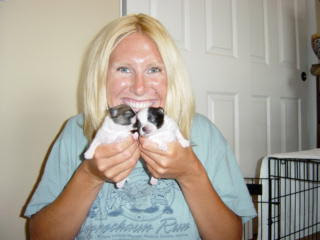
(139,105)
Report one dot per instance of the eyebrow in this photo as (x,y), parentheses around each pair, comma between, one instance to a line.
(119,64)
(156,64)
(152,64)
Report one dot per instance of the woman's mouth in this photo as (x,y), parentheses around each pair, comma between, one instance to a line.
(138,105)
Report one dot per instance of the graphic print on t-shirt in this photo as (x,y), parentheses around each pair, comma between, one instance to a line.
(139,211)
(139,201)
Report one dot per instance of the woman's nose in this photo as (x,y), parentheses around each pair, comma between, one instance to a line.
(139,85)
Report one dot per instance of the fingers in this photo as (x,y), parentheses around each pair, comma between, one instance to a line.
(118,172)
(149,146)
(159,166)
(172,163)
(112,149)
(114,162)
(151,164)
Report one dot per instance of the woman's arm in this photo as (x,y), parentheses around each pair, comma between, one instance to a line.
(62,219)
(214,219)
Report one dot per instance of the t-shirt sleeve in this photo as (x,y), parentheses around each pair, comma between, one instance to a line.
(222,168)
(57,172)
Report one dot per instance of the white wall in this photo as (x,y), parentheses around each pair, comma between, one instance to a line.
(41,45)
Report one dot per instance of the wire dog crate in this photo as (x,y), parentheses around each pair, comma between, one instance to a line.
(286,198)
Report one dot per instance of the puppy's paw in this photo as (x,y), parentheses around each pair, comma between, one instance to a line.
(92,148)
(135,136)
(121,183)
(89,154)
(153,181)
(184,143)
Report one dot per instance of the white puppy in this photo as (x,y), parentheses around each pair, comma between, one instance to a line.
(159,128)
(116,127)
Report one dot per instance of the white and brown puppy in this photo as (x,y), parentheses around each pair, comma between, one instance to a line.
(118,125)
(159,128)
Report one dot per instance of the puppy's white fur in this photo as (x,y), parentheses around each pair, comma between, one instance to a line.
(110,132)
(167,133)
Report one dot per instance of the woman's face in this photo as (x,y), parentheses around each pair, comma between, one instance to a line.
(136,74)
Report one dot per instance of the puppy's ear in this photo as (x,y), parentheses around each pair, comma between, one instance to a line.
(156,116)
(158,110)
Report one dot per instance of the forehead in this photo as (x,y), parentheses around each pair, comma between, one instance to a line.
(136,45)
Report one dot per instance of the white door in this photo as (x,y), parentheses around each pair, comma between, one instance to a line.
(245,58)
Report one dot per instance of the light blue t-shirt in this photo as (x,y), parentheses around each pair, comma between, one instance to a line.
(140,211)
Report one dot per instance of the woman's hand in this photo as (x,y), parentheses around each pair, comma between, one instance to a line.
(113,162)
(177,163)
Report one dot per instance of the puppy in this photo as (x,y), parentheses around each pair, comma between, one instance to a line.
(116,127)
(159,128)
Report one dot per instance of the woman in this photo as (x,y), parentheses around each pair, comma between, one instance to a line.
(200,194)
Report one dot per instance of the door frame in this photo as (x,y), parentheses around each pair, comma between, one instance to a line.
(123,7)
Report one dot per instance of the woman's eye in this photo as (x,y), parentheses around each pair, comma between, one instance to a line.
(123,69)
(154,70)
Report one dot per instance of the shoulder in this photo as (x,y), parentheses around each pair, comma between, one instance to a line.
(201,122)
(203,129)
(73,128)
(208,143)
(75,121)
(69,146)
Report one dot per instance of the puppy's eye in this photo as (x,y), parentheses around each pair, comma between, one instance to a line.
(123,69)
(128,114)
(152,119)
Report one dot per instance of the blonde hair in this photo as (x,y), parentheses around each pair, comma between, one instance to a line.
(179,100)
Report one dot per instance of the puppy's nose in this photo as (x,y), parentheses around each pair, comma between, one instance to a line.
(145,129)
